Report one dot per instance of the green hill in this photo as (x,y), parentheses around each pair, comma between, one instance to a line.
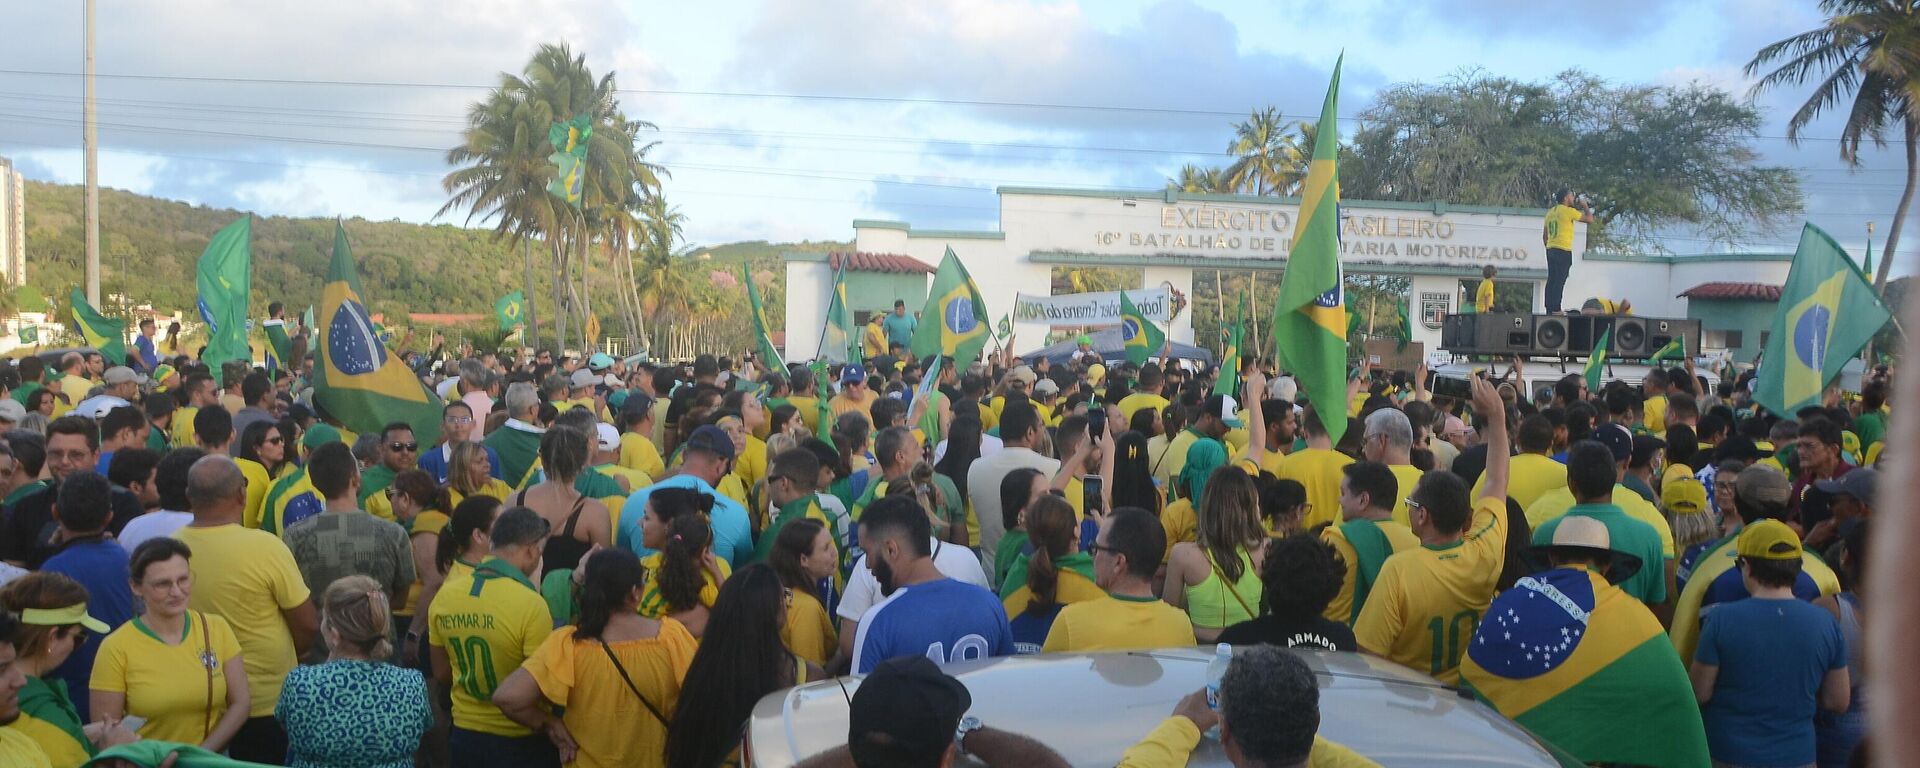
(149,245)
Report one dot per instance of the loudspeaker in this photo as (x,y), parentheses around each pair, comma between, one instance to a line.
(1653,333)
(1493,333)
(1628,337)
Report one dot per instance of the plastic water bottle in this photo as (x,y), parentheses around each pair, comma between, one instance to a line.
(1216,672)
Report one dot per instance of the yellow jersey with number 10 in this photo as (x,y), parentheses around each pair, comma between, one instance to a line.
(1428,600)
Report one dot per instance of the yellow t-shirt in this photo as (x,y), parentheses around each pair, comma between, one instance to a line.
(841,404)
(1653,415)
(809,631)
(487,625)
(807,407)
(1132,404)
(1170,463)
(249,577)
(428,523)
(1556,502)
(167,684)
(495,487)
(654,606)
(612,728)
(257,485)
(1408,475)
(1560,221)
(1171,745)
(1319,470)
(639,453)
(19,749)
(751,466)
(180,430)
(1483,296)
(1180,523)
(1118,624)
(989,418)
(1428,600)
(1399,538)
(562,406)
(1531,475)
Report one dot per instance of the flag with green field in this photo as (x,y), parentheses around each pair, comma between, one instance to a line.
(841,341)
(1674,350)
(104,334)
(1828,311)
(224,277)
(1310,319)
(1138,335)
(569,139)
(762,337)
(510,311)
(1597,362)
(954,320)
(1228,381)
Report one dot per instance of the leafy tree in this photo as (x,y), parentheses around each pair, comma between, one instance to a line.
(1270,161)
(1867,51)
(1195,179)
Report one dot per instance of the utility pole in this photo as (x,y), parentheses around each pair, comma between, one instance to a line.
(91,137)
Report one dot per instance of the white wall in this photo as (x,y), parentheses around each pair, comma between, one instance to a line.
(809,286)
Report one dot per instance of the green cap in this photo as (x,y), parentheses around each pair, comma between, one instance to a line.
(319,435)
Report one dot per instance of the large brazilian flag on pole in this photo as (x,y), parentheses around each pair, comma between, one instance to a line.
(839,341)
(1228,381)
(1828,312)
(762,338)
(106,335)
(1140,336)
(1310,319)
(224,277)
(953,323)
(356,379)
(1583,665)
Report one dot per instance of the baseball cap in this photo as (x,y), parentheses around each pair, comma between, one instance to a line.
(1617,439)
(1283,388)
(1022,374)
(1096,373)
(904,708)
(600,361)
(12,410)
(1763,485)
(319,435)
(1083,339)
(853,373)
(121,374)
(1225,407)
(609,437)
(711,439)
(1684,496)
(1768,540)
(584,379)
(1043,387)
(1857,483)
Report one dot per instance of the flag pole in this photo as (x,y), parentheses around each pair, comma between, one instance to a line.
(833,294)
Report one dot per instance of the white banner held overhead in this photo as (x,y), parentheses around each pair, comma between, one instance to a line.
(1091,309)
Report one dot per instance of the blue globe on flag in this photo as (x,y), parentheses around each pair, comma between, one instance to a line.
(1129,329)
(1330,299)
(959,316)
(206,314)
(352,346)
(1810,336)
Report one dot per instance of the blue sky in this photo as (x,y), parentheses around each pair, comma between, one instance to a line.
(914,140)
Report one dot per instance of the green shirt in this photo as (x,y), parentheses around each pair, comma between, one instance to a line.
(807,506)
(1627,536)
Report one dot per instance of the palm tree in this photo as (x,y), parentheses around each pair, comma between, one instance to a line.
(1198,180)
(1269,159)
(1867,51)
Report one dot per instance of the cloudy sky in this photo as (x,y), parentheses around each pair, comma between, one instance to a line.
(783,119)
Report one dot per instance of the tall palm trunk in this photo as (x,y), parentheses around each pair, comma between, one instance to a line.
(1892,248)
(532,336)
(559,291)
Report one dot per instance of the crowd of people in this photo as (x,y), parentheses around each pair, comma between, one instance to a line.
(605,562)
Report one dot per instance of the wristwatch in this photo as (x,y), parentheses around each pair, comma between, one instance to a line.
(968,724)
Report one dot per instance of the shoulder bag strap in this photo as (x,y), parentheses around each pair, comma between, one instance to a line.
(622,669)
(207,661)
(1231,590)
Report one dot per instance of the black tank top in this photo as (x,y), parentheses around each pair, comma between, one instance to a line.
(563,551)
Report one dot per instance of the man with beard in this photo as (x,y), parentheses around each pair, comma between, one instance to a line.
(925,612)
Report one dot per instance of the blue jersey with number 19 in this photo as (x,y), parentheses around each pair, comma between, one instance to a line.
(945,620)
(1428,600)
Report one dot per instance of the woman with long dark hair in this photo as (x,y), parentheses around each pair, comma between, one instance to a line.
(683,576)
(1018,489)
(261,458)
(1133,484)
(962,449)
(617,673)
(803,554)
(739,662)
(423,508)
(1057,573)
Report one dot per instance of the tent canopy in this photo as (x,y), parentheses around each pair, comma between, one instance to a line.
(1112,349)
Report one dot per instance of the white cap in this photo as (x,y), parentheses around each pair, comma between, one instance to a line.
(609,437)
(1283,388)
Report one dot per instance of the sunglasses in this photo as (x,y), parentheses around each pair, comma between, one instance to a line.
(408,447)
(1097,548)
(275,440)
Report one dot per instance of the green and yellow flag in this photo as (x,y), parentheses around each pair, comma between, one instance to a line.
(279,344)
(1597,361)
(1828,312)
(104,334)
(1563,645)
(29,334)
(762,339)
(841,343)
(1310,318)
(356,378)
(569,139)
(1405,334)
(823,427)
(1674,350)
(224,277)
(1138,335)
(511,310)
(953,322)
(1228,382)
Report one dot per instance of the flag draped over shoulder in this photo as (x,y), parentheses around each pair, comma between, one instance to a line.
(1597,361)
(1585,666)
(106,335)
(1310,318)
(511,310)
(224,277)
(762,339)
(1141,338)
(1828,312)
(841,343)
(355,378)
(1228,382)
(953,322)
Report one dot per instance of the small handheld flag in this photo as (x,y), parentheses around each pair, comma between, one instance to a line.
(1674,350)
(762,339)
(1597,360)
(29,334)
(1405,334)
(1228,382)
(511,310)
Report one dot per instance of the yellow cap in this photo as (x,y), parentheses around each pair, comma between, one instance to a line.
(1684,496)
(1096,373)
(1768,540)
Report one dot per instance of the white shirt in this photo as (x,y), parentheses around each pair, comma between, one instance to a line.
(952,560)
(152,525)
(983,489)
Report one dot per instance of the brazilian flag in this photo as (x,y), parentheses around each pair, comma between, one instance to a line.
(1597,361)
(1310,319)
(840,344)
(1718,570)
(762,338)
(1674,350)
(953,323)
(1139,336)
(1584,666)
(355,377)
(224,279)
(511,310)
(1828,311)
(291,499)
(105,334)
(278,343)
(1228,382)
(1405,334)
(569,139)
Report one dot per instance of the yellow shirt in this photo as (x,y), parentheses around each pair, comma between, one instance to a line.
(1531,475)
(1653,414)
(61,749)
(1428,600)
(167,684)
(1399,538)
(639,453)
(1180,523)
(495,487)
(611,727)
(989,418)
(1408,475)
(180,430)
(1560,221)
(751,466)
(428,523)
(1556,502)
(1483,297)
(1173,741)
(841,404)
(257,485)
(807,407)
(1319,470)
(1169,464)
(809,631)
(1118,624)
(1132,404)
(249,577)
(653,605)
(19,749)
(487,624)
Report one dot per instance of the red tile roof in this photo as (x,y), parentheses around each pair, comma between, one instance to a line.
(1734,291)
(860,261)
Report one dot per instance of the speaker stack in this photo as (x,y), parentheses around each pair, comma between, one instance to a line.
(1507,334)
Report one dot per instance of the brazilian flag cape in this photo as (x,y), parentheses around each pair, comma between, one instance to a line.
(1716,562)
(803,508)
(292,499)
(48,717)
(1585,667)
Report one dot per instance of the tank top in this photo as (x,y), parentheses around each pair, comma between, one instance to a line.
(563,551)
(1215,603)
